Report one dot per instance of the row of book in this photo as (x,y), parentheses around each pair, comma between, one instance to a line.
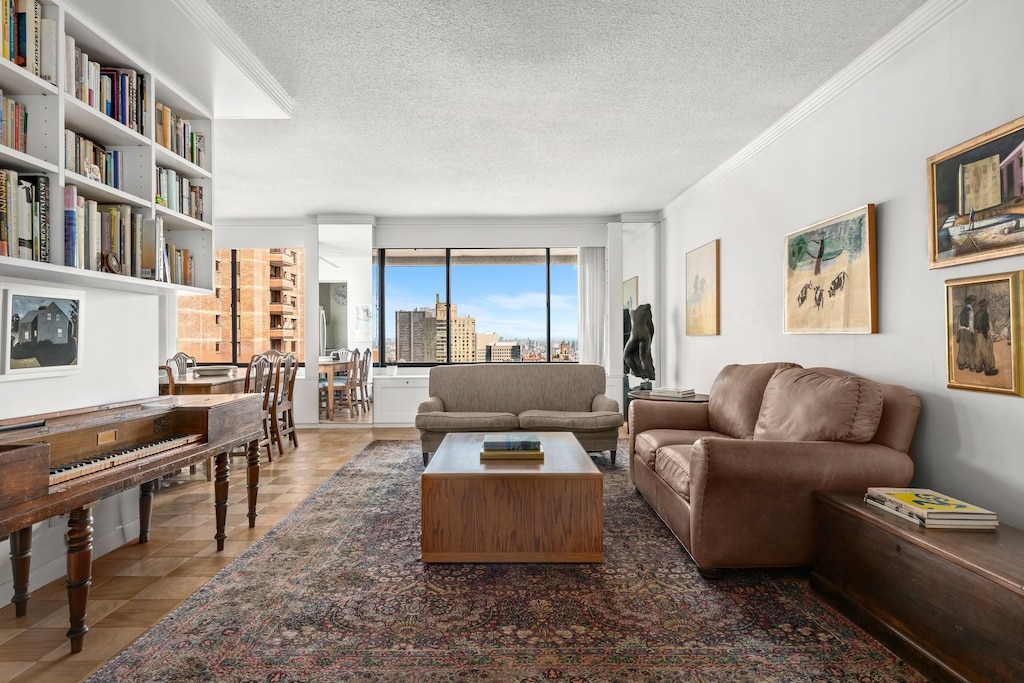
(175,133)
(118,92)
(28,38)
(92,160)
(930,509)
(24,215)
(178,193)
(13,123)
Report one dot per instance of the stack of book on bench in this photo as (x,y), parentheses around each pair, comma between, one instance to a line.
(671,392)
(930,509)
(512,446)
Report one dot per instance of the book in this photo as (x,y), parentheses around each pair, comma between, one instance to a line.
(672,392)
(966,524)
(927,504)
(533,454)
(511,442)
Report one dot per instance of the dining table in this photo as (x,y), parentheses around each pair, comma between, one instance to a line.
(191,383)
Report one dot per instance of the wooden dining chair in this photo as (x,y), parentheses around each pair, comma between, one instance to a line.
(259,379)
(181,361)
(344,385)
(282,416)
(169,375)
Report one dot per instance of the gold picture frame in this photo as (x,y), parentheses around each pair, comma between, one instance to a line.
(702,307)
(829,281)
(982,333)
(976,198)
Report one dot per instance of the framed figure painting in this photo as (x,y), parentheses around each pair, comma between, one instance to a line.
(829,281)
(702,290)
(976,198)
(982,333)
(42,326)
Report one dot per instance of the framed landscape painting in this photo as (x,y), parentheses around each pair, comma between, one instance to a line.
(42,328)
(982,333)
(702,290)
(830,276)
(976,198)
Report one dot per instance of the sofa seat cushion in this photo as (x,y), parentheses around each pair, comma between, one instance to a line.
(672,463)
(567,421)
(647,443)
(806,405)
(441,421)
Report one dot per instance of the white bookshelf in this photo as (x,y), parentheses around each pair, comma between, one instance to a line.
(51,110)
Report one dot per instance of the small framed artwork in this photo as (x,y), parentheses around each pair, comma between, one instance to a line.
(630,293)
(983,333)
(42,326)
(702,290)
(830,276)
(976,198)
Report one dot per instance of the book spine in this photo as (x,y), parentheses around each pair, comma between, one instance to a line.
(43,198)
(4,231)
(71,227)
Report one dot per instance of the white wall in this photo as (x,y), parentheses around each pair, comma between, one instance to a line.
(118,363)
(640,248)
(868,143)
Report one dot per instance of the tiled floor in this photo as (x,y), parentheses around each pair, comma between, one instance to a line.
(136,585)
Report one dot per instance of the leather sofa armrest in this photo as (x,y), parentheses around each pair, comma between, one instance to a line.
(433,404)
(751,501)
(645,415)
(602,403)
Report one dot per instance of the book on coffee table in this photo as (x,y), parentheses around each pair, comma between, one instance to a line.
(536,454)
(512,441)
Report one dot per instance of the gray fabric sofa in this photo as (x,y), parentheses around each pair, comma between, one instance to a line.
(517,397)
(733,478)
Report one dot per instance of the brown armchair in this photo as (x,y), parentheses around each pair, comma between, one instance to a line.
(733,478)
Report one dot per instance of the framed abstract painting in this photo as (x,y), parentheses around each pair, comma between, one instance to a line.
(702,290)
(829,279)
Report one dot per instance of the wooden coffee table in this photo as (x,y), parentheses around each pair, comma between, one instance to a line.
(549,510)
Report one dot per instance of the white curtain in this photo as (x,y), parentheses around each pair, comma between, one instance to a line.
(593,306)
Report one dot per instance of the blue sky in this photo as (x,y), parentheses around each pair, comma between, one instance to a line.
(508,300)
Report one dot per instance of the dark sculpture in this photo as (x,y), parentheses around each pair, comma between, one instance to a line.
(637,354)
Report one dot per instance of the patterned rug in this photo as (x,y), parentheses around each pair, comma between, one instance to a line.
(336,592)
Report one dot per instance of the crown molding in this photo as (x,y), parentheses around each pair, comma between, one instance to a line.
(641,217)
(241,223)
(499,222)
(905,33)
(345,219)
(228,42)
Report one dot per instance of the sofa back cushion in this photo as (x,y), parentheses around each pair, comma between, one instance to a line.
(735,397)
(802,404)
(517,387)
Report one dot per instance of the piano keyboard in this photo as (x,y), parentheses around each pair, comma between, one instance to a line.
(105,461)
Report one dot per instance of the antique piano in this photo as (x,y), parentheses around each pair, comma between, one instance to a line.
(65,462)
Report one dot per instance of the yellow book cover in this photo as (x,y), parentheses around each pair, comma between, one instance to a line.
(512,455)
(927,503)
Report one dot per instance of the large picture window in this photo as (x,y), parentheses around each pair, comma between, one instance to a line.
(257,304)
(478,305)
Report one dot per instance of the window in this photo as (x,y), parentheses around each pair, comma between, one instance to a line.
(266,310)
(478,305)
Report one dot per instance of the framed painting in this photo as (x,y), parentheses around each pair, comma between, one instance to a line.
(983,332)
(830,276)
(702,290)
(976,198)
(42,326)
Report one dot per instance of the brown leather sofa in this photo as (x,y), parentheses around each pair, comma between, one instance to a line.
(733,478)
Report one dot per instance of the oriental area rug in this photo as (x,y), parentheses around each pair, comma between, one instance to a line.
(336,592)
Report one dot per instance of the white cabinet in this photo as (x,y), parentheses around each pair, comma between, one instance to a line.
(396,397)
(71,126)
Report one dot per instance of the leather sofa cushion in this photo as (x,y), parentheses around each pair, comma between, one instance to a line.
(564,420)
(736,397)
(466,422)
(672,464)
(647,443)
(806,405)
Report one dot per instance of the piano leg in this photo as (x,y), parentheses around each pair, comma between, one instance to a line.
(79,544)
(146,508)
(220,494)
(21,560)
(252,480)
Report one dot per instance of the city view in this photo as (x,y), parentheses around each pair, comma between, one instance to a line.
(498,309)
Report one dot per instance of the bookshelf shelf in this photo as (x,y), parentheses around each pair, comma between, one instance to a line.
(92,55)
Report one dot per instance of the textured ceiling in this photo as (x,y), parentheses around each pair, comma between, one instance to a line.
(519,107)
